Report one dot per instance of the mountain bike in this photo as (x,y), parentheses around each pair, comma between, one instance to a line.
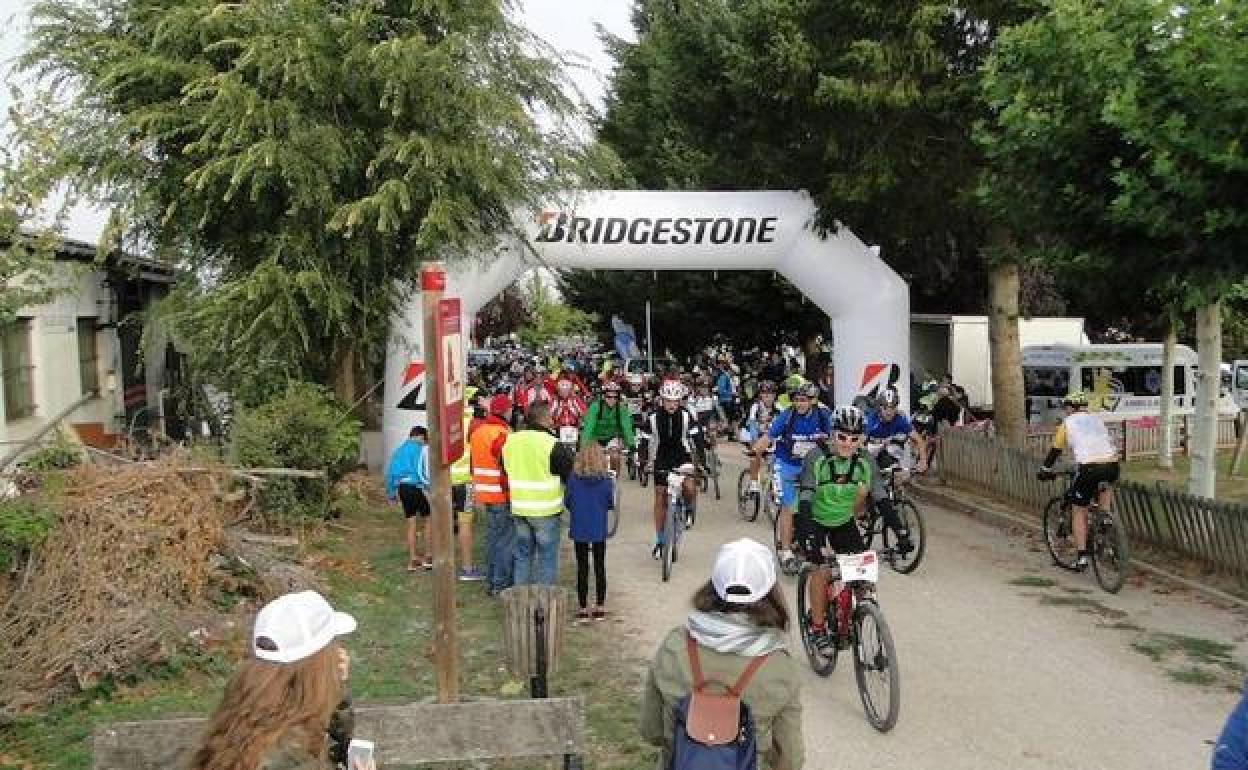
(767,498)
(615,462)
(871,522)
(855,620)
(1107,540)
(674,524)
(713,466)
(641,458)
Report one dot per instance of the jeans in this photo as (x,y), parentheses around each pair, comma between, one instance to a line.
(537,549)
(500,545)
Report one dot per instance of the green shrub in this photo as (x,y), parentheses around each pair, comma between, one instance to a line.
(305,428)
(54,457)
(24,523)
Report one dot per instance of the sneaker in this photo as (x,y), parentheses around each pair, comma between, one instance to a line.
(1081,563)
(470,574)
(657,553)
(599,613)
(823,640)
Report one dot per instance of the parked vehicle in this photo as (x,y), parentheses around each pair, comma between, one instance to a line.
(957,345)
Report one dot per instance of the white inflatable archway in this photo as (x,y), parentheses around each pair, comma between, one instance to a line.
(629,230)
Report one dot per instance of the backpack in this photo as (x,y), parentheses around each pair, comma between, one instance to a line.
(714,731)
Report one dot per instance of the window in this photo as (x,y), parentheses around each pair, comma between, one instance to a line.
(1241,378)
(19,370)
(1136,380)
(88,357)
(1042,381)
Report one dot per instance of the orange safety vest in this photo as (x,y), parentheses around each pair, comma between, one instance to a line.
(489,485)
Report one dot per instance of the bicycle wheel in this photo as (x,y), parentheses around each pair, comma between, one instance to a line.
(1111,556)
(911,519)
(669,537)
(632,467)
(613,515)
(713,470)
(821,661)
(747,504)
(1058,535)
(875,666)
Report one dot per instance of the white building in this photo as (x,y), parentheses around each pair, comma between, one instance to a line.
(77,358)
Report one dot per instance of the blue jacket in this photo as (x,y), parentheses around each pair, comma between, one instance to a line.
(408,465)
(588,498)
(723,387)
(1231,750)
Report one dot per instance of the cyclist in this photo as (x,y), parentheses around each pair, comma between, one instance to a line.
(675,440)
(891,427)
(1096,460)
(794,432)
(566,410)
(835,483)
(726,393)
(608,420)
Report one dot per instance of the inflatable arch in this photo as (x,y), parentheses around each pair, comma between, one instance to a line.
(631,230)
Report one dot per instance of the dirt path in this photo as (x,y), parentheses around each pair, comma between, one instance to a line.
(1000,669)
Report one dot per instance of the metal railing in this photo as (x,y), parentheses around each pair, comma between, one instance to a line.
(1213,533)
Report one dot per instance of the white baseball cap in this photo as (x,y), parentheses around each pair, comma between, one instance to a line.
(744,571)
(297,626)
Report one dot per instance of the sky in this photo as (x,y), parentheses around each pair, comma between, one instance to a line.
(568,25)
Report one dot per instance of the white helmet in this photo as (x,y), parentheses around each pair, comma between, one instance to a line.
(672,390)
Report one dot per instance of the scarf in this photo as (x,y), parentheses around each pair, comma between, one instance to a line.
(733,633)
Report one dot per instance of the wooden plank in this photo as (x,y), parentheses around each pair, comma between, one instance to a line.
(413,734)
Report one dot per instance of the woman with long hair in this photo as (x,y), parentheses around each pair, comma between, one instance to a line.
(588,497)
(278,706)
(738,616)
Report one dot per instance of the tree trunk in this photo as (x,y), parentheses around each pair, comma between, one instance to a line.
(1009,417)
(344,366)
(1165,455)
(1202,478)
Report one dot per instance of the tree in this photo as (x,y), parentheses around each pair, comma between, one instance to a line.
(302,157)
(1117,126)
(503,315)
(867,106)
(551,319)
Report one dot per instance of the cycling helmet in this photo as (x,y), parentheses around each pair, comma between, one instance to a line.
(793,382)
(808,389)
(890,398)
(611,386)
(672,391)
(847,419)
(766,386)
(1076,399)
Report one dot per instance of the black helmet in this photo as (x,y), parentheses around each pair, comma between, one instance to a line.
(847,419)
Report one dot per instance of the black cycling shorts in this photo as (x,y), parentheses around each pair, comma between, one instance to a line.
(1088,477)
(813,536)
(660,473)
(415,503)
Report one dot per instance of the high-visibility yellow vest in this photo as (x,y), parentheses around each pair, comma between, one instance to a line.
(535,491)
(461,469)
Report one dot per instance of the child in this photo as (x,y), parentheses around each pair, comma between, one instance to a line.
(407,479)
(588,497)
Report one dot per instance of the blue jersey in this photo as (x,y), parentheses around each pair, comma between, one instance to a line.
(796,434)
(897,428)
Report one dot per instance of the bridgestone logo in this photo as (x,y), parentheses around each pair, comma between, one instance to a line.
(567,227)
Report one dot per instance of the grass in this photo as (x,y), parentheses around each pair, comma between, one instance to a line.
(1032,581)
(1145,471)
(366,577)
(1203,661)
(1083,604)
(1193,675)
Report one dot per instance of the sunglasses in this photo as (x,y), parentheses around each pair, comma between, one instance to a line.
(611,395)
(847,436)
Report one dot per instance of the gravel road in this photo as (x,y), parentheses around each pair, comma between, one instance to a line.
(993,674)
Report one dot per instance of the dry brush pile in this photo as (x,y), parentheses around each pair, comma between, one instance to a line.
(129,572)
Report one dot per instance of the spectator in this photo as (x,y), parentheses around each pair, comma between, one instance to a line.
(407,480)
(489,487)
(462,515)
(589,496)
(738,615)
(537,465)
(284,708)
(827,389)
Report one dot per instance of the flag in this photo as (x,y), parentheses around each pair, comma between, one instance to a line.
(625,338)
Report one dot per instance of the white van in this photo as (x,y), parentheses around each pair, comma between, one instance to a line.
(1122,379)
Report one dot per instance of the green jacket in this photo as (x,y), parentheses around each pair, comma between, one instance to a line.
(594,427)
(831,485)
(773,695)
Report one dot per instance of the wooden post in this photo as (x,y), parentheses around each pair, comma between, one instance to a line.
(445,641)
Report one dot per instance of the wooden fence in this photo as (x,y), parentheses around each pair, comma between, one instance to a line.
(1142,436)
(1210,532)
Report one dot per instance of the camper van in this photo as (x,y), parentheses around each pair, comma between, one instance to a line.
(1122,379)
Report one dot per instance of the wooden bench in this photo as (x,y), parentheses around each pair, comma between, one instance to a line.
(407,735)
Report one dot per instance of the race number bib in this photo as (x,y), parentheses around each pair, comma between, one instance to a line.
(859,566)
(568,434)
(801,448)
